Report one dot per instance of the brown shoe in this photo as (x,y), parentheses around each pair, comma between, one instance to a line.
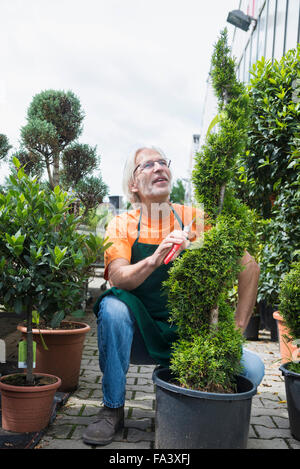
(104,428)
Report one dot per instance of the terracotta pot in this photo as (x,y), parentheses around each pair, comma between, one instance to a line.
(27,408)
(288,351)
(63,357)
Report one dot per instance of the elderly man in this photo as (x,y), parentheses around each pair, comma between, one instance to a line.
(135,268)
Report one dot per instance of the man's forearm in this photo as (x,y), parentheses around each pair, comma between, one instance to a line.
(247,291)
(128,277)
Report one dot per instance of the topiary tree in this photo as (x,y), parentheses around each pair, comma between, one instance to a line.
(208,353)
(78,160)
(215,164)
(54,120)
(49,140)
(30,162)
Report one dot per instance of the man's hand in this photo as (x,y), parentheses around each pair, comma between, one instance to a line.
(175,237)
(122,274)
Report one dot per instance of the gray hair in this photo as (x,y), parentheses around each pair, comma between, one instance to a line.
(128,173)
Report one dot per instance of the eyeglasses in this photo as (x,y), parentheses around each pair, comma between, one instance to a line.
(148,165)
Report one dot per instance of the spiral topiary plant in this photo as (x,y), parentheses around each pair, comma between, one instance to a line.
(208,353)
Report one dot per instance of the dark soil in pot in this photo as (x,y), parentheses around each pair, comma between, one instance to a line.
(20,380)
(64,351)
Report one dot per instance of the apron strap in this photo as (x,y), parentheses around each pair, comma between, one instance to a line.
(139,222)
(178,218)
(139,228)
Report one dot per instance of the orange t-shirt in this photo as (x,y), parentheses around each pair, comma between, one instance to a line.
(122,230)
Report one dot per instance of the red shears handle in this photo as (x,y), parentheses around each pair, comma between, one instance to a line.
(177,246)
(171,253)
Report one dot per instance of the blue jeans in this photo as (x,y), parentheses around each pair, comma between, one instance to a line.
(116,326)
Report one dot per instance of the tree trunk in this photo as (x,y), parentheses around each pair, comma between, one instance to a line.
(44,158)
(29,340)
(55,170)
(49,174)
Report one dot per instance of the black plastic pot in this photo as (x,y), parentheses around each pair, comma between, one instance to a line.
(188,419)
(292,388)
(266,319)
(252,330)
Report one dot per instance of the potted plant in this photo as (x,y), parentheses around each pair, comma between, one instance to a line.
(202,399)
(202,402)
(269,172)
(287,348)
(44,263)
(289,296)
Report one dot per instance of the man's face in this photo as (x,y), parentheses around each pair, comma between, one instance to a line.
(152,184)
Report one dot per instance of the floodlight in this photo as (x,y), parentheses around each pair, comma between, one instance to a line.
(239,19)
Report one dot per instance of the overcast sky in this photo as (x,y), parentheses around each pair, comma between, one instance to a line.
(139,68)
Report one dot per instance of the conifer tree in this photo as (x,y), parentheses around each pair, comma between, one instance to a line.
(49,140)
(208,353)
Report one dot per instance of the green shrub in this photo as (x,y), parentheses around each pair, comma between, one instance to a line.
(214,165)
(198,278)
(44,261)
(289,297)
(198,282)
(273,145)
(211,361)
(268,171)
(281,237)
(289,307)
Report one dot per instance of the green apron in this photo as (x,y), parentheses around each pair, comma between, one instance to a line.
(148,303)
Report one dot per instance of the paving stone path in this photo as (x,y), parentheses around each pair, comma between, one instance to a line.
(269,424)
